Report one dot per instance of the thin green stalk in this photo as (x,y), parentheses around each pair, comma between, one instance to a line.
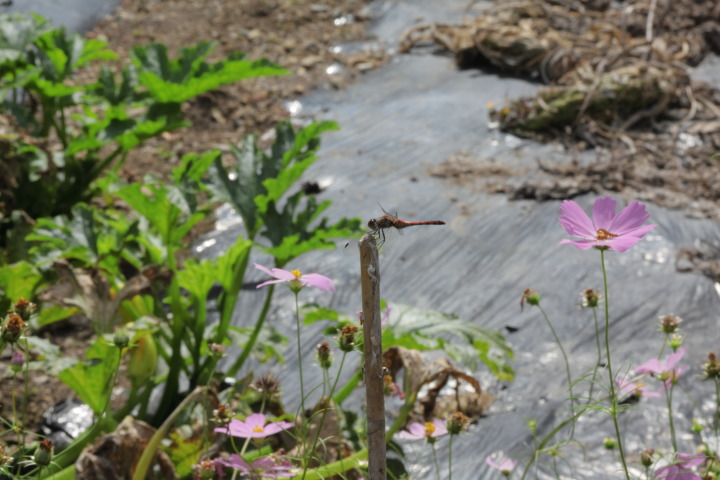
(450,457)
(348,388)
(299,352)
(437,465)
(668,399)
(324,413)
(540,446)
(717,405)
(254,335)
(613,398)
(567,364)
(599,355)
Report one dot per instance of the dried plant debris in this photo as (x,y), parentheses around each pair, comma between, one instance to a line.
(440,388)
(703,257)
(617,79)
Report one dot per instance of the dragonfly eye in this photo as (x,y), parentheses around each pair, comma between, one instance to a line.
(372,224)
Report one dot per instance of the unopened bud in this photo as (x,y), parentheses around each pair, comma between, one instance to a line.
(24,308)
(217,350)
(143,358)
(590,298)
(121,340)
(609,443)
(670,323)
(44,453)
(347,338)
(457,423)
(17,361)
(531,297)
(646,457)
(13,328)
(324,355)
(676,341)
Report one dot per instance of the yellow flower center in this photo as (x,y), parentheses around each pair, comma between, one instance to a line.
(603,234)
(297,273)
(429,429)
(258,429)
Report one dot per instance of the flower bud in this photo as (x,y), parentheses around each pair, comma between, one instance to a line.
(590,298)
(44,453)
(16,362)
(217,350)
(121,340)
(143,358)
(711,368)
(24,308)
(696,427)
(13,328)
(676,341)
(531,297)
(670,323)
(609,443)
(646,457)
(204,470)
(324,355)
(532,426)
(457,423)
(347,338)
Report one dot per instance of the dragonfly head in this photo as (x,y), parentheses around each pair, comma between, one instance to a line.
(372,224)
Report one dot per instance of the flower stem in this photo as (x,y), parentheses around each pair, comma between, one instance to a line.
(567,364)
(437,465)
(300,367)
(599,355)
(613,398)
(324,413)
(668,398)
(717,406)
(450,457)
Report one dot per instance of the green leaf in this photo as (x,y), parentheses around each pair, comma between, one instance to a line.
(55,313)
(18,280)
(91,379)
(185,453)
(47,357)
(464,341)
(175,81)
(269,345)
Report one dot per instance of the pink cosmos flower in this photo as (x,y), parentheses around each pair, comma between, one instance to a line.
(504,464)
(618,232)
(253,427)
(261,468)
(666,370)
(296,279)
(424,431)
(627,388)
(682,468)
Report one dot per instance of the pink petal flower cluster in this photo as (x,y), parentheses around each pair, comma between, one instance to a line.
(682,468)
(253,427)
(296,279)
(422,431)
(605,230)
(501,462)
(627,388)
(261,468)
(667,370)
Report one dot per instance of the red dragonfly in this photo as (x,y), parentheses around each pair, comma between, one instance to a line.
(378,226)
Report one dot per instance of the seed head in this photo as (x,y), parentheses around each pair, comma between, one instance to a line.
(457,423)
(347,338)
(24,308)
(44,453)
(590,298)
(268,386)
(13,328)
(324,355)
(670,323)
(222,415)
(646,457)
(531,297)
(711,368)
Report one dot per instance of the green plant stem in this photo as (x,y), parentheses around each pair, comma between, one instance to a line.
(668,399)
(435,460)
(717,405)
(303,430)
(254,335)
(599,355)
(348,388)
(613,398)
(567,363)
(143,465)
(450,444)
(324,413)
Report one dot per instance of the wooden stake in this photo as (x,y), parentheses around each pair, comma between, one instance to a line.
(372,336)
